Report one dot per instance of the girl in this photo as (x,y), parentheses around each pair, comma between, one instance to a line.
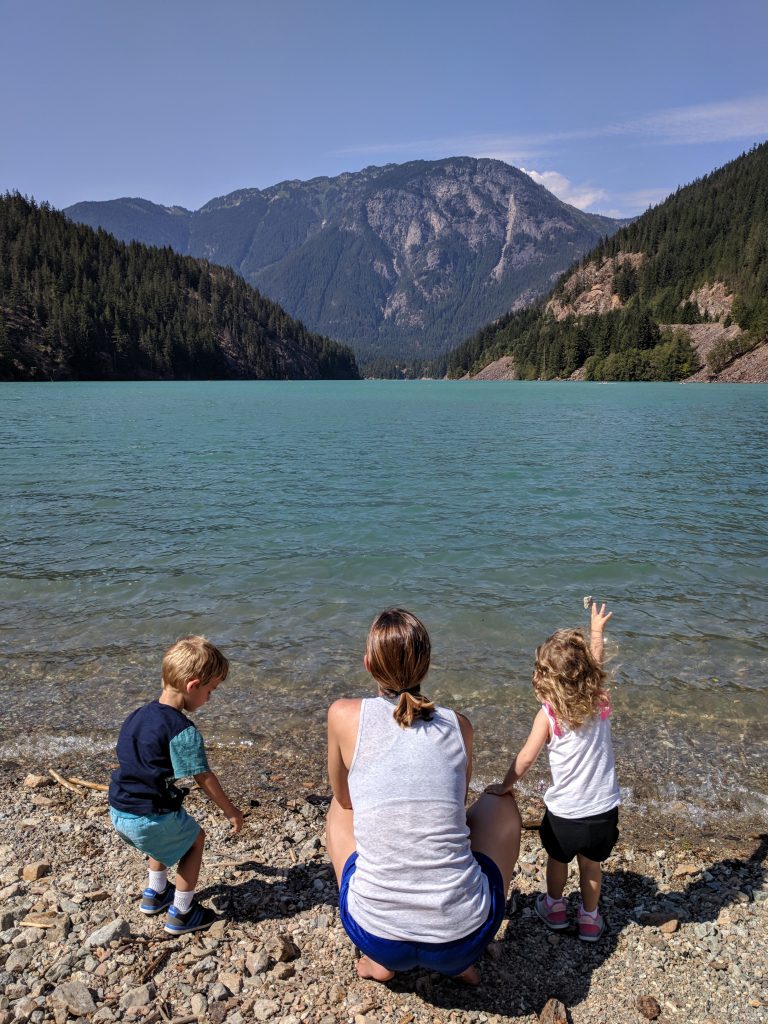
(421,882)
(582,804)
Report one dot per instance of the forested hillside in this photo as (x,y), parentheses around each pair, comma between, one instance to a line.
(77,304)
(401,262)
(700,256)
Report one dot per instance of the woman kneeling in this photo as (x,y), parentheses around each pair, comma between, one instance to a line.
(422,883)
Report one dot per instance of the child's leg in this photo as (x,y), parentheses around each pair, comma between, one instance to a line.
(158,875)
(557,876)
(590,880)
(187,872)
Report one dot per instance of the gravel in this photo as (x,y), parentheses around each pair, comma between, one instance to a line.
(686,936)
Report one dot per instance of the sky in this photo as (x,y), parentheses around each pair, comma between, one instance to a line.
(610,105)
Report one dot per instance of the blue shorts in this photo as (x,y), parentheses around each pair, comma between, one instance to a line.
(449,958)
(165,837)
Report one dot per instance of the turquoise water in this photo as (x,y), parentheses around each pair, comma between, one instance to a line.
(278,518)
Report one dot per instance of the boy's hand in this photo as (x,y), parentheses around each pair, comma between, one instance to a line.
(599,618)
(236,819)
(499,789)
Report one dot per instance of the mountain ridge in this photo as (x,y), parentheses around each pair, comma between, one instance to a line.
(398,260)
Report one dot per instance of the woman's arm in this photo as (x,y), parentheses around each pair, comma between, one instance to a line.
(343,719)
(531,749)
(468,735)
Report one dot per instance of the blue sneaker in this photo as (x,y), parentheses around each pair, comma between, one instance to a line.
(196,919)
(153,902)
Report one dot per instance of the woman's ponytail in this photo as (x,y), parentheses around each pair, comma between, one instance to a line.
(411,707)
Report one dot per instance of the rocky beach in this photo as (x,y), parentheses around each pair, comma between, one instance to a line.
(686,913)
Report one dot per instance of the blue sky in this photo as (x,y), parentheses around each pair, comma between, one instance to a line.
(611,105)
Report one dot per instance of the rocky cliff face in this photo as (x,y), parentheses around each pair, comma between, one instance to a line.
(399,261)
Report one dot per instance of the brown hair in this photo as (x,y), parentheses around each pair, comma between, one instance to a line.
(567,677)
(193,657)
(398,652)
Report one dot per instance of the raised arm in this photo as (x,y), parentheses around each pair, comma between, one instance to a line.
(599,620)
(530,750)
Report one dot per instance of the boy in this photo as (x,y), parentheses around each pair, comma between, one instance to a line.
(158,744)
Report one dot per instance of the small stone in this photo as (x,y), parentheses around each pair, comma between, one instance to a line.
(263,1009)
(117,929)
(282,948)
(232,980)
(686,869)
(495,950)
(649,1007)
(31,872)
(75,997)
(670,926)
(103,1015)
(337,994)
(36,781)
(256,963)
(554,1012)
(719,965)
(218,991)
(18,960)
(283,971)
(141,996)
(217,930)
(198,1004)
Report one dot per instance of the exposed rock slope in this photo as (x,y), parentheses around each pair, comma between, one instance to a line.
(400,260)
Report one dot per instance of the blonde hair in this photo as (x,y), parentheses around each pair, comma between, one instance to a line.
(567,677)
(193,657)
(398,652)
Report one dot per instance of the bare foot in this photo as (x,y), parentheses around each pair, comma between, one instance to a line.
(367,968)
(469,977)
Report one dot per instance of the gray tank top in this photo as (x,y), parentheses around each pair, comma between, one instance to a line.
(415,878)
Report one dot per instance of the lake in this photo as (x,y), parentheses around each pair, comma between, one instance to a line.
(279,517)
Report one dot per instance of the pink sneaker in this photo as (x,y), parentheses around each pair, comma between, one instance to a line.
(590,928)
(555,916)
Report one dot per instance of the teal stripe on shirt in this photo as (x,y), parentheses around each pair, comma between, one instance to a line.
(188,754)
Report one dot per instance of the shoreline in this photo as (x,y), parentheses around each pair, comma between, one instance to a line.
(687,911)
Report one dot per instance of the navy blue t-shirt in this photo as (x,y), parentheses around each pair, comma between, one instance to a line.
(156,745)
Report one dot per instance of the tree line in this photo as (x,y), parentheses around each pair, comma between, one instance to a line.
(77,304)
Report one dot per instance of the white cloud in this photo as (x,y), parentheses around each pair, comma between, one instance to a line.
(580,196)
(745,118)
(711,122)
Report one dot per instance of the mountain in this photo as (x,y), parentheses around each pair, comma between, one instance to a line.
(77,304)
(680,292)
(400,262)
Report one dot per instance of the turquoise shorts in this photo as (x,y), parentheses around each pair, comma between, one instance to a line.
(165,837)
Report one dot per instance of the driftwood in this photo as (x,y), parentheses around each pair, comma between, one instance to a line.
(154,966)
(89,785)
(62,781)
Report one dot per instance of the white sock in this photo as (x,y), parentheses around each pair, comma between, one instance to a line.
(551,901)
(183,900)
(158,880)
(588,913)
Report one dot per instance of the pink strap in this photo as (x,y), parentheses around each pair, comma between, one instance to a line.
(557,731)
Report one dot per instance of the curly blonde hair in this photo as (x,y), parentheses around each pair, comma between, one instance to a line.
(567,677)
(398,652)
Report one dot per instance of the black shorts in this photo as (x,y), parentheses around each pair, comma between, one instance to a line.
(592,837)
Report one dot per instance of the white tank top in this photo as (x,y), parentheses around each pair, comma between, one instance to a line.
(415,878)
(583,768)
